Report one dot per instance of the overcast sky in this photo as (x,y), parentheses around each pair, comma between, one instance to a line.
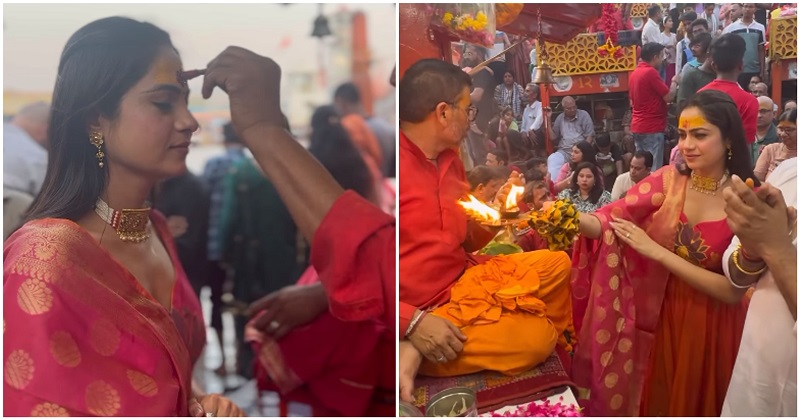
(35,34)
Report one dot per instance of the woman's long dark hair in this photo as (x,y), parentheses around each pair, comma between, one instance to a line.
(597,189)
(331,145)
(100,63)
(719,109)
(588,155)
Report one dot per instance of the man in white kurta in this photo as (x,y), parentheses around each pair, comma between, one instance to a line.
(651,31)
(764,381)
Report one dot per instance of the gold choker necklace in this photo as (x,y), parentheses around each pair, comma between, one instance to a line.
(706,185)
(130,224)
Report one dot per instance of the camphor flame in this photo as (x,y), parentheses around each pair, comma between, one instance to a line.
(476,209)
(514,194)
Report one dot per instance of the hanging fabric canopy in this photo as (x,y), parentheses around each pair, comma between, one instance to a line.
(560,23)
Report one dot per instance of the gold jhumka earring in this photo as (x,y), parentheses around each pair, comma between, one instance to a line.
(96,139)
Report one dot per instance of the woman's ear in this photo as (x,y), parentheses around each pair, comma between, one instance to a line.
(97,123)
(727,144)
(94,128)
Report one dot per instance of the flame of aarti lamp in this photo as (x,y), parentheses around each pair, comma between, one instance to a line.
(480,211)
(511,208)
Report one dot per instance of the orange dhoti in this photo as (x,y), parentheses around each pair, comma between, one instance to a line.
(513,309)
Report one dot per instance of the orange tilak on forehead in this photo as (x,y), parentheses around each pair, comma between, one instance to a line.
(165,72)
(688,123)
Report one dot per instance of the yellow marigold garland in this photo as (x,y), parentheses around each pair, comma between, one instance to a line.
(559,224)
(608,48)
(471,25)
(465,22)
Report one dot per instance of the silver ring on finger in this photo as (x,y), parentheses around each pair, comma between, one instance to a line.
(210,415)
(441,359)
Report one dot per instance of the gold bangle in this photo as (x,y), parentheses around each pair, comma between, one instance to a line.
(744,255)
(735,258)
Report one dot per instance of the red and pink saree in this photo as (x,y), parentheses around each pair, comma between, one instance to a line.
(83,338)
(650,344)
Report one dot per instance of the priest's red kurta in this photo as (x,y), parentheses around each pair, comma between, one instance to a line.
(434,235)
(354,253)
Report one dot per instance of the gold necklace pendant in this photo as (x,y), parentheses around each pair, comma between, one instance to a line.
(133,225)
(130,224)
(706,185)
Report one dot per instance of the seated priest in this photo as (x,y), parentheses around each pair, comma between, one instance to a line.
(462,313)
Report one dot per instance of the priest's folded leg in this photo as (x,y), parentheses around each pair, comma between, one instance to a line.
(334,363)
(514,310)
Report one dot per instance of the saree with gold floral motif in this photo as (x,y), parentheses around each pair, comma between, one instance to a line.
(83,338)
(648,343)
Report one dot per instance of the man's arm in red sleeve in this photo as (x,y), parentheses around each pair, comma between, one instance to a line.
(660,87)
(306,188)
(356,261)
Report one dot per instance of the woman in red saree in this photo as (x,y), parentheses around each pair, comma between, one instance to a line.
(659,326)
(308,355)
(82,337)
(98,316)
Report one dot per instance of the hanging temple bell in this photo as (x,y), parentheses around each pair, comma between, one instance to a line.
(543,75)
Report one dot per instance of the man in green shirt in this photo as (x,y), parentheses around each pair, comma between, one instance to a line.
(693,79)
